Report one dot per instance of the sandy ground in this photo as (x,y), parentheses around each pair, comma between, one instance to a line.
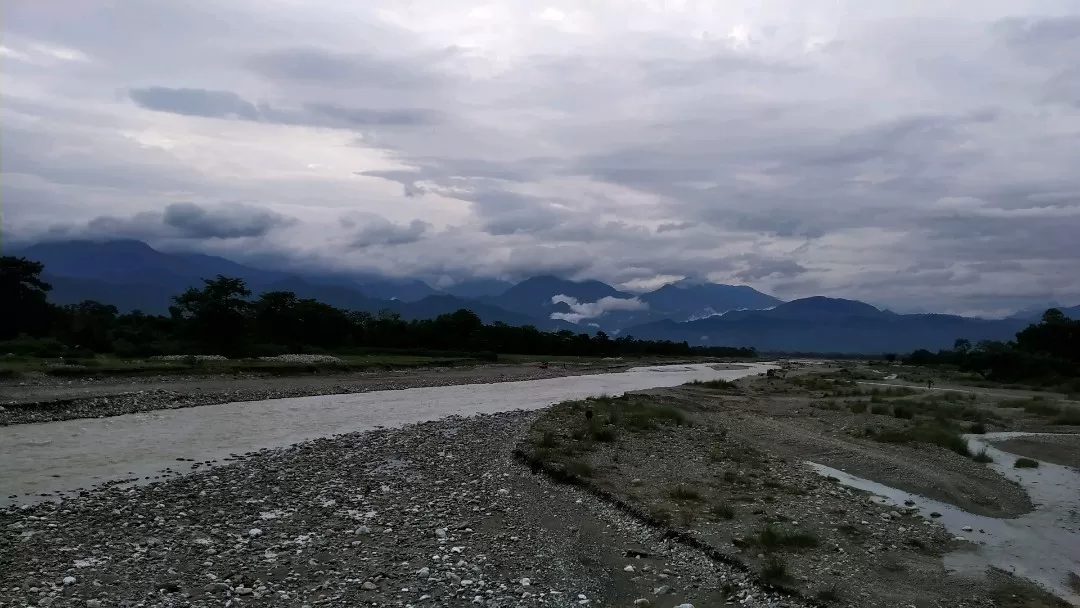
(1058,450)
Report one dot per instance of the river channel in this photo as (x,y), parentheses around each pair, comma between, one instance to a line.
(43,460)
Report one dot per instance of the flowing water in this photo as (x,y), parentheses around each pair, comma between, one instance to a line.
(55,457)
(1043,546)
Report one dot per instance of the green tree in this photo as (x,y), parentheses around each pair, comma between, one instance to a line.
(216,316)
(24,306)
(962,346)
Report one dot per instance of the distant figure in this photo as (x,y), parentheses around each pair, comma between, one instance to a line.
(588,414)
(929,384)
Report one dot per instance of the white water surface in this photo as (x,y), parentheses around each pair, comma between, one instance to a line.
(1042,546)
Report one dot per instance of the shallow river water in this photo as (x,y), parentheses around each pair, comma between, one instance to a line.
(1043,545)
(63,456)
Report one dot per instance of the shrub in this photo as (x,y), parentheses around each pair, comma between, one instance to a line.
(978,428)
(982,456)
(684,492)
(1026,463)
(1069,416)
(880,409)
(774,571)
(903,412)
(723,511)
(858,407)
(772,537)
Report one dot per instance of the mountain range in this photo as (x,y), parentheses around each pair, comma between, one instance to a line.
(132,275)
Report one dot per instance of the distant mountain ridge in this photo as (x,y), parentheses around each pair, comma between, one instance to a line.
(132,275)
(832,325)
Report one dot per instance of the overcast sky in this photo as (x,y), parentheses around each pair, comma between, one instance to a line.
(920,154)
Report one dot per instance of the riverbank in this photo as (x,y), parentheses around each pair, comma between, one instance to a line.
(47,401)
(434,514)
(726,464)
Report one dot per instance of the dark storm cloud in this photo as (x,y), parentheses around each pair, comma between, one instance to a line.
(225,104)
(314,65)
(383,232)
(189,221)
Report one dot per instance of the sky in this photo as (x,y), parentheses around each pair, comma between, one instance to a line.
(921,155)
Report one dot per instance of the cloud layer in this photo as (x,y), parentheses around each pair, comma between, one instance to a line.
(917,155)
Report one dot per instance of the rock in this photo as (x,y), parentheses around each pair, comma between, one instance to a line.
(628,569)
(966,528)
(255,532)
(244,591)
(93,603)
(69,580)
(440,532)
(423,572)
(368,586)
(641,602)
(685,606)
(662,590)
(935,514)
(525,582)
(45,601)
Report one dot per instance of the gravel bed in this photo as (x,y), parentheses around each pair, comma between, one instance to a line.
(197,391)
(434,514)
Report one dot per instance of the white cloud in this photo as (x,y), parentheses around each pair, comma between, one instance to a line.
(591,310)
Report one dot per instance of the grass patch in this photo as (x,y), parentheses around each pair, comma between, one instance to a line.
(880,409)
(719,384)
(978,428)
(858,407)
(934,432)
(982,456)
(1026,463)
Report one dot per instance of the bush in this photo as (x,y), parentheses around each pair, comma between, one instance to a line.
(977,429)
(774,571)
(880,410)
(982,456)
(684,492)
(1026,463)
(1068,416)
(858,407)
(772,537)
(723,511)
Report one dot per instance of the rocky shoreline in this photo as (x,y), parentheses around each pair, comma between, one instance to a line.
(432,514)
(142,396)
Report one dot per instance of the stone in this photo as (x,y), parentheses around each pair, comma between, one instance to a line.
(440,532)
(423,572)
(642,602)
(255,532)
(628,569)
(525,582)
(662,590)
(966,528)
(368,586)
(685,606)
(69,580)
(93,603)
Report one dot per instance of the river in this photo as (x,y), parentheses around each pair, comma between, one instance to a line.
(58,457)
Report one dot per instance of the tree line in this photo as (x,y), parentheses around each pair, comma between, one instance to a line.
(1044,353)
(222,317)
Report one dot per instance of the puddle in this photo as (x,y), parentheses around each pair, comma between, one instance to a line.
(1043,546)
